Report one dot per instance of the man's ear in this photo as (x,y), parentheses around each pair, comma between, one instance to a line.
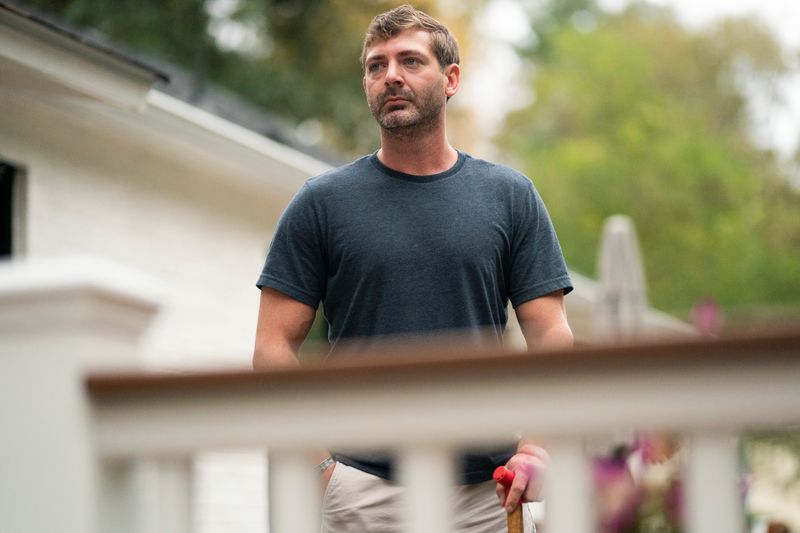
(452,74)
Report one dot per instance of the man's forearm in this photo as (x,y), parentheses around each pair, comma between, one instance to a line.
(283,324)
(544,323)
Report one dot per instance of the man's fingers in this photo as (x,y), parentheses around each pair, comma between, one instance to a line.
(533,491)
(530,471)
(500,490)
(529,465)
(516,491)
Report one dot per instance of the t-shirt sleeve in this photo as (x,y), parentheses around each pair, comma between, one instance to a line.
(295,261)
(537,263)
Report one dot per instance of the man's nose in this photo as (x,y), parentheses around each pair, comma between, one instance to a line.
(393,74)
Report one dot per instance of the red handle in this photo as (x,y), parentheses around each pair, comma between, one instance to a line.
(504,476)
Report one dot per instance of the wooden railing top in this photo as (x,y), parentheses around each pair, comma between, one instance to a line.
(428,361)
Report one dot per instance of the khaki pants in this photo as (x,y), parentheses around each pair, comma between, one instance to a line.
(357,502)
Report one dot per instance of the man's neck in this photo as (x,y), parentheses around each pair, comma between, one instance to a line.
(417,153)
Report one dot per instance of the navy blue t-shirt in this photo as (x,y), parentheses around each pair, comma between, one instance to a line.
(391,254)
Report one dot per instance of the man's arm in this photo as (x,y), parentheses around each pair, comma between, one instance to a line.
(283,324)
(544,324)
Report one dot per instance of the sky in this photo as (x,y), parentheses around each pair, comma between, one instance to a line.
(783,16)
(504,23)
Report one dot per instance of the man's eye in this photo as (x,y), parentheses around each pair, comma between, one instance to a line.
(412,61)
(374,67)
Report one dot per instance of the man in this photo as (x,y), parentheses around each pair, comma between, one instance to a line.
(415,239)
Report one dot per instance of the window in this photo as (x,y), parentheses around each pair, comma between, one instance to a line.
(9,201)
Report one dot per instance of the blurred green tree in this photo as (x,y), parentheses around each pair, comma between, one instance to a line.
(295,58)
(634,114)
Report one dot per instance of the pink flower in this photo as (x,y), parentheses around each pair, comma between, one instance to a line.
(617,497)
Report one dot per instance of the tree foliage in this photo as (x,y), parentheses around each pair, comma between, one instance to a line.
(635,114)
(301,63)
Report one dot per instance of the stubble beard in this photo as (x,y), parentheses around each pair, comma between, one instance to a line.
(420,112)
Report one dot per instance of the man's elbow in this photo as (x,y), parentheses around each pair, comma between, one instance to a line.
(266,357)
(556,337)
(563,337)
(259,360)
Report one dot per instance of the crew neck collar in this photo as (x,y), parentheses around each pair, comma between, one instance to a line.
(392,173)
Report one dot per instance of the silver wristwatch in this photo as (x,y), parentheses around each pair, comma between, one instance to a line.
(323,466)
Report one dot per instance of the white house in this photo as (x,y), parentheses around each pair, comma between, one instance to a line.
(103,165)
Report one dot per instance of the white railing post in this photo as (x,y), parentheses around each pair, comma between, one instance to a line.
(428,475)
(146,495)
(57,319)
(294,492)
(713,497)
(568,495)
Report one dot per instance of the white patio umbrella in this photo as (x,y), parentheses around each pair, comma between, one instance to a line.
(621,297)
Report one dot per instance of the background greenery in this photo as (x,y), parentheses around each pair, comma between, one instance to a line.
(643,117)
(631,113)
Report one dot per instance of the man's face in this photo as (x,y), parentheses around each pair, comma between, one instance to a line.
(404,84)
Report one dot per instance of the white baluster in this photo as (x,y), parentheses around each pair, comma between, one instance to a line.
(294,493)
(568,494)
(175,494)
(713,500)
(427,473)
(146,496)
(122,495)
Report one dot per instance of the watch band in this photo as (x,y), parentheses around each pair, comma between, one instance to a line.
(323,466)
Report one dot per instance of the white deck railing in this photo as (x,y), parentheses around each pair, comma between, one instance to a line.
(74,445)
(427,408)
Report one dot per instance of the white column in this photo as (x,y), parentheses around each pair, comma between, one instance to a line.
(713,498)
(568,495)
(428,475)
(294,493)
(56,319)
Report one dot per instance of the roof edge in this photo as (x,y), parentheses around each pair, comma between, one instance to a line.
(36,22)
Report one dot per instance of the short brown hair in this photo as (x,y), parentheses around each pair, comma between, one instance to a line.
(386,25)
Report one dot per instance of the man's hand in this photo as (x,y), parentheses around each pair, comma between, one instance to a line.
(529,465)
